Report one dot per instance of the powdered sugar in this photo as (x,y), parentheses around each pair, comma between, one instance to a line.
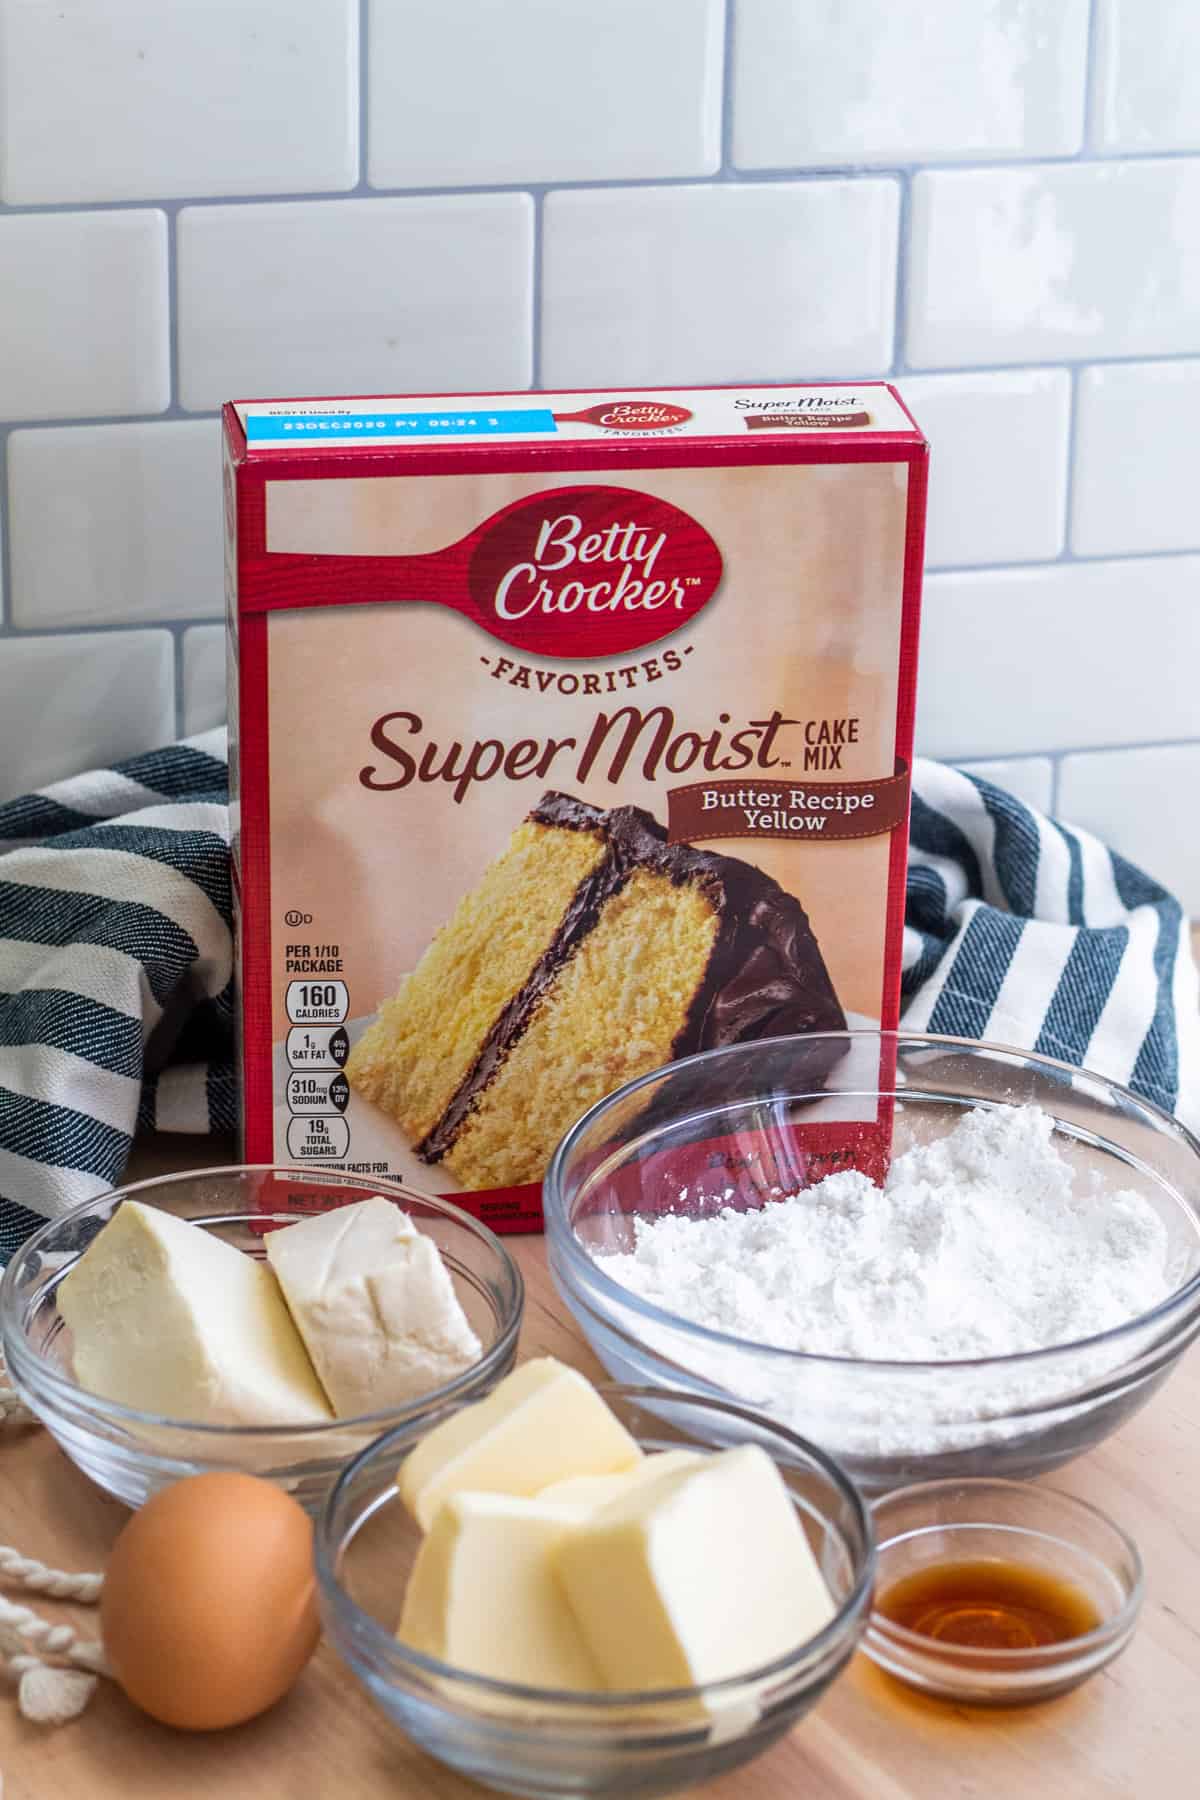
(986,1242)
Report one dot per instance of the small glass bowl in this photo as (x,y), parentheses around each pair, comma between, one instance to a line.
(1038,1528)
(549,1743)
(132,1454)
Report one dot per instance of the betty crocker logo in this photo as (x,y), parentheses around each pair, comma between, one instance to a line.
(629,415)
(590,572)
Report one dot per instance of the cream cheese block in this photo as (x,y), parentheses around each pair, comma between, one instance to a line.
(699,1577)
(543,1423)
(483,1594)
(169,1319)
(375,1305)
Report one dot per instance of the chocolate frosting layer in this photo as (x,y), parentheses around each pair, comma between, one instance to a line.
(765,975)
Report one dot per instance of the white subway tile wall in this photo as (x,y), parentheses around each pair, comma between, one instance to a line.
(116,524)
(80,700)
(598,90)
(203,678)
(354,296)
(998,210)
(1065,655)
(1147,76)
(1030,778)
(867,81)
(1002,441)
(1146,501)
(1054,261)
(729,281)
(192,97)
(84,315)
(1143,798)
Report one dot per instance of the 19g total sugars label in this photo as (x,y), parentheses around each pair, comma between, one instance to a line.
(317,1002)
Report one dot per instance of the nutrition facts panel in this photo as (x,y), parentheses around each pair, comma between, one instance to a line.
(317,1092)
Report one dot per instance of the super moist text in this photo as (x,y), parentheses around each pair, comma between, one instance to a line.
(648,738)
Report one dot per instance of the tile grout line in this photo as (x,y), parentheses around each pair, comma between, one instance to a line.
(6,588)
(537,295)
(177,654)
(1056,761)
(1068,552)
(897,368)
(112,627)
(890,168)
(1064,560)
(899,363)
(727,170)
(364,79)
(174,403)
(1056,754)
(1091,64)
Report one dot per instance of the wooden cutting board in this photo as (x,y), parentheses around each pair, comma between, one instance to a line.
(1126,1735)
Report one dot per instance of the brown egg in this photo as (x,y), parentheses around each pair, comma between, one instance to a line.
(208,1611)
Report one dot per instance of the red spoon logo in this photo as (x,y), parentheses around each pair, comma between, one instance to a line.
(571,572)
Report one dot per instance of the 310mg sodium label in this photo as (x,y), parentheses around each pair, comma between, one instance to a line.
(317,1093)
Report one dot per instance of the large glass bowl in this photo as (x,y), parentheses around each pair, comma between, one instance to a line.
(132,1454)
(736,1127)
(549,1743)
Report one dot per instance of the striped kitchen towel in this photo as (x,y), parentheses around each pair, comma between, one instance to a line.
(1025,931)
(115,960)
(116,993)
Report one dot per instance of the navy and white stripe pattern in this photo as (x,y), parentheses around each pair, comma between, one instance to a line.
(116,960)
(116,996)
(1027,932)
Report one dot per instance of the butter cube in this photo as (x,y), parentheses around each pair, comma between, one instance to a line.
(484,1596)
(168,1318)
(587,1493)
(699,1577)
(542,1423)
(375,1305)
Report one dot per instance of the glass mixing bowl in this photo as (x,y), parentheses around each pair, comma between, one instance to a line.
(737,1127)
(132,1454)
(549,1743)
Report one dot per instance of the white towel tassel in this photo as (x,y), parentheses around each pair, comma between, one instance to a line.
(48,1691)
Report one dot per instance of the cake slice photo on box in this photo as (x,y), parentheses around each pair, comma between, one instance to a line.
(591,951)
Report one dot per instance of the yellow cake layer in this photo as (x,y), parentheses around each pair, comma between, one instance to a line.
(425,1040)
(613,1013)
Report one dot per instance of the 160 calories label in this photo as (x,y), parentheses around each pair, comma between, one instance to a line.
(317,1002)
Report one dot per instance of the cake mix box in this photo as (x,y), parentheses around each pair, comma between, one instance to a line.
(569,735)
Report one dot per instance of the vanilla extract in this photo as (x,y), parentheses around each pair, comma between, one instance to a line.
(989,1604)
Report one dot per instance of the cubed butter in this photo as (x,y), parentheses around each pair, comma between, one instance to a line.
(484,1595)
(375,1305)
(699,1577)
(587,1493)
(542,1423)
(168,1318)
